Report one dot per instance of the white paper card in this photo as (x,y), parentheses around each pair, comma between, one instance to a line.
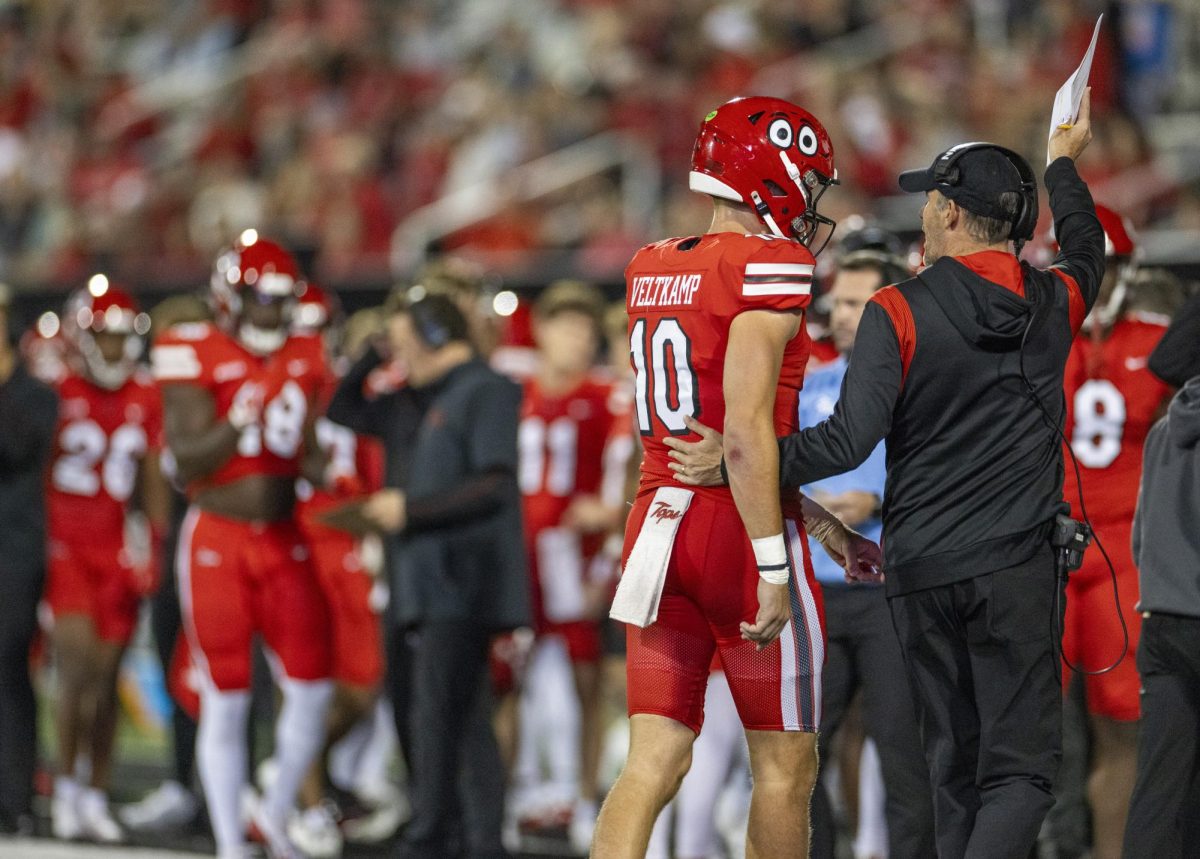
(1070,96)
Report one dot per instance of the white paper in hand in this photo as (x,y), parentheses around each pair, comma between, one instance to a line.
(1069,97)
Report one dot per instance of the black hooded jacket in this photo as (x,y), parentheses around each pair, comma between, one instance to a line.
(974,464)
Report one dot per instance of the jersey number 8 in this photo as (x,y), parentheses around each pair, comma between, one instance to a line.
(1099,417)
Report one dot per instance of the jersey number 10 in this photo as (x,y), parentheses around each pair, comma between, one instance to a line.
(667,358)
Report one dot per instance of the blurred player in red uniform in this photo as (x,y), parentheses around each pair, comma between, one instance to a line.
(104,466)
(1112,401)
(575,441)
(355,468)
(239,399)
(717,332)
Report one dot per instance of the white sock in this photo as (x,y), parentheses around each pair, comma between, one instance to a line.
(346,756)
(374,768)
(299,733)
(872,836)
(66,788)
(558,720)
(221,758)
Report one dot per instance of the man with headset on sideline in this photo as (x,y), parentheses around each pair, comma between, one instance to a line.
(452,512)
(961,369)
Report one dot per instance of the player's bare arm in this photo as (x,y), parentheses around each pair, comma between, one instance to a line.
(756,342)
(200,443)
(153,494)
(314,465)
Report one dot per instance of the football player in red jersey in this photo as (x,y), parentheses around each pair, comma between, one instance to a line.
(355,468)
(104,466)
(1112,401)
(574,445)
(717,332)
(239,400)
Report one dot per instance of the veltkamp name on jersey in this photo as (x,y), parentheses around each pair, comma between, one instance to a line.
(668,290)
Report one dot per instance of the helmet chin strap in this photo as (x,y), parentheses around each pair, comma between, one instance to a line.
(109,375)
(106,375)
(261,341)
(764,214)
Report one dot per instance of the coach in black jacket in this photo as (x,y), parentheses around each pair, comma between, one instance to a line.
(452,513)
(947,366)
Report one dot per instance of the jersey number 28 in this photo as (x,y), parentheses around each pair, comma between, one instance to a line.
(662,361)
(282,427)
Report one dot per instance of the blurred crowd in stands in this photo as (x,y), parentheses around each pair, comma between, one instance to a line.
(135,135)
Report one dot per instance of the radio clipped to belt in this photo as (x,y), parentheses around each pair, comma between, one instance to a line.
(1070,539)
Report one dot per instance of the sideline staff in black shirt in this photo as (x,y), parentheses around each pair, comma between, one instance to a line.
(452,512)
(28,412)
(940,368)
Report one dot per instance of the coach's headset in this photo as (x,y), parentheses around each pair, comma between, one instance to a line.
(437,320)
(946,171)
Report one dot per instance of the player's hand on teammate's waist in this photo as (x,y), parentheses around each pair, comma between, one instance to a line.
(696,463)
(774,610)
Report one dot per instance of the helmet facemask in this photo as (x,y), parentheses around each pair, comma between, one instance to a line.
(807,223)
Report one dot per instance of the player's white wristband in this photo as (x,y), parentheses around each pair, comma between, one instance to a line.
(770,553)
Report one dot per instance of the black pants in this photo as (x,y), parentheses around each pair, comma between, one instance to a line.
(862,653)
(988,692)
(20,589)
(1164,814)
(166,621)
(457,778)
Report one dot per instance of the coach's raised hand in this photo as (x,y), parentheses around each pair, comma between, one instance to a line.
(1071,140)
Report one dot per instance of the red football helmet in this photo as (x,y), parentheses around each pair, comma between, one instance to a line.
(259,270)
(770,155)
(316,309)
(45,350)
(102,307)
(1120,239)
(319,311)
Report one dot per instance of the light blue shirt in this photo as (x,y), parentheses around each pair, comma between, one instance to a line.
(817,399)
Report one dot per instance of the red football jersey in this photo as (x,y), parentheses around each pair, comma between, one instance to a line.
(101,438)
(292,378)
(572,444)
(1112,401)
(682,295)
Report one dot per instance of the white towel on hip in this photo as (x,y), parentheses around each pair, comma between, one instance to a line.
(645,572)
